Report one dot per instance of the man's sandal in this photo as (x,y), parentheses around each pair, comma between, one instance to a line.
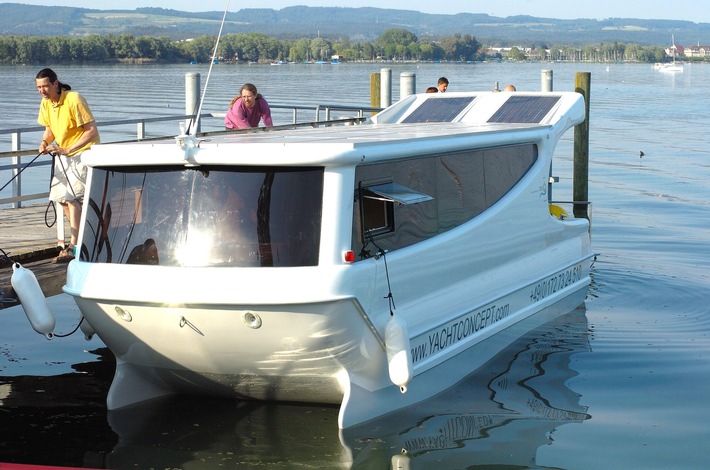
(64,256)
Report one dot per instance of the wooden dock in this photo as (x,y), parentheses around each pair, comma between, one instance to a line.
(26,239)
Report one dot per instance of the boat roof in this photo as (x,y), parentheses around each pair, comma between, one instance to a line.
(416,125)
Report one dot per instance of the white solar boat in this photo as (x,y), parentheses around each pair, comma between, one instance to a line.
(346,265)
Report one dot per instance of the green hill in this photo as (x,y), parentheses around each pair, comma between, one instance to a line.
(357,24)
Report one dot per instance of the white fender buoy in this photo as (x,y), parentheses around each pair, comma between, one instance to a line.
(399,355)
(87,329)
(33,301)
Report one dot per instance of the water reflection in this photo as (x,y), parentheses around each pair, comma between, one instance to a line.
(499,415)
(60,419)
(181,432)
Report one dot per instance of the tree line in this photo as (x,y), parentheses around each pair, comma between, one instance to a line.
(392,44)
(247,47)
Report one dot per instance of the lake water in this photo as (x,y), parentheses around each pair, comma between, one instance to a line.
(623,382)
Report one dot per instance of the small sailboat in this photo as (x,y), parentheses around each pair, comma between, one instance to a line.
(670,66)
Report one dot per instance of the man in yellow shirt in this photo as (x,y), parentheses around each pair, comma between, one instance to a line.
(69,130)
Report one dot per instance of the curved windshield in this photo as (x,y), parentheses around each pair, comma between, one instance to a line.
(204,216)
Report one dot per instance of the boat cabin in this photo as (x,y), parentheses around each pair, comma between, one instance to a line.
(230,210)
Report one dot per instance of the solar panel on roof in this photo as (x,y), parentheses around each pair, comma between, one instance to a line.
(524,109)
(439,109)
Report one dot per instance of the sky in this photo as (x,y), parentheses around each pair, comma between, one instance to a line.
(689,10)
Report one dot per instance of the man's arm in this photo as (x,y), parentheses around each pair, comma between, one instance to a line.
(47,139)
(90,132)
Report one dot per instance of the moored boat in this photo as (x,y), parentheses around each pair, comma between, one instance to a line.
(668,67)
(672,66)
(350,265)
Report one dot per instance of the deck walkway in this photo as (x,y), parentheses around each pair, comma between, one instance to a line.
(26,239)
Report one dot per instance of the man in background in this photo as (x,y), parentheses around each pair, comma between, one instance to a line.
(442,85)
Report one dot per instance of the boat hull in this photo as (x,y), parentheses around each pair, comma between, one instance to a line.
(285,353)
(362,404)
(326,352)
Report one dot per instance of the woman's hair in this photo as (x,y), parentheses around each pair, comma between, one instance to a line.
(249,87)
(52,76)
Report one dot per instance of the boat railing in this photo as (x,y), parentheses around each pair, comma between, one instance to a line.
(115,131)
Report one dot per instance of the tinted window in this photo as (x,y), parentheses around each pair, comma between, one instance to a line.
(463,185)
(204,216)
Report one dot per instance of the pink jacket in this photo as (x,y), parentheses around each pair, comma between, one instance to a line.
(241,117)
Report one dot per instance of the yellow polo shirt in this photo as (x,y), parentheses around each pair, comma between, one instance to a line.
(66,118)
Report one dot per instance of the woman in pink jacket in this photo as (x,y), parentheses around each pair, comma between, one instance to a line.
(247,109)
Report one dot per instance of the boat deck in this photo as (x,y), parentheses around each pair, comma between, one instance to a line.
(425,123)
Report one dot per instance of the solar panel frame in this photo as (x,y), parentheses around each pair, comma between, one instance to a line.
(524,109)
(439,109)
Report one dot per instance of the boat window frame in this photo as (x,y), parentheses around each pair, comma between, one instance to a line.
(397,193)
(368,206)
(388,193)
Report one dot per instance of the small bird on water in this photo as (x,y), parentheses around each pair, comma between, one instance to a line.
(641,154)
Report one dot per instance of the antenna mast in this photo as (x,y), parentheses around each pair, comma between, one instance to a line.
(195,124)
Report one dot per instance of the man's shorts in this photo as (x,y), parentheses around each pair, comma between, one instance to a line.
(70,168)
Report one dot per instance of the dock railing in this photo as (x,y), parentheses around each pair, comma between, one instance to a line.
(324,114)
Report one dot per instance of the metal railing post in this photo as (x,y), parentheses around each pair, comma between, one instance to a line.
(140,131)
(385,87)
(16,161)
(546,80)
(192,98)
(407,84)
